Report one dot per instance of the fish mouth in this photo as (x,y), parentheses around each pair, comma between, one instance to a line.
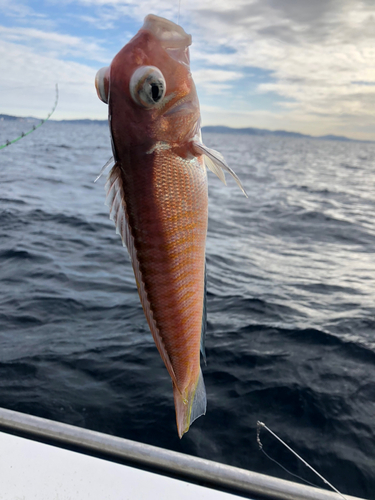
(171,35)
(184,107)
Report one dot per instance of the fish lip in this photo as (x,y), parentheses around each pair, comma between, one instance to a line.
(170,34)
(183,106)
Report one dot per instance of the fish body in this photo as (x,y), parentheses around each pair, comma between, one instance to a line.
(157,194)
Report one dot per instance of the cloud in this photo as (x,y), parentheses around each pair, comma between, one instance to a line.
(55,44)
(101,22)
(215,81)
(18,10)
(29,85)
(314,51)
(128,9)
(310,64)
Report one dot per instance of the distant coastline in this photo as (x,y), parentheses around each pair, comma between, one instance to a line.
(217,129)
(221,129)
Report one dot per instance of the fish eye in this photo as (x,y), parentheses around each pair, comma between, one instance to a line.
(147,86)
(102,84)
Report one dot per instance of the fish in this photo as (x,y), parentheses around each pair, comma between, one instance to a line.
(157,195)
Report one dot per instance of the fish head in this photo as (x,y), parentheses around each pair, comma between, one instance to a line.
(149,89)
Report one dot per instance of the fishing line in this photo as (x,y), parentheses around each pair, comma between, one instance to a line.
(287,470)
(179,9)
(259,427)
(24,134)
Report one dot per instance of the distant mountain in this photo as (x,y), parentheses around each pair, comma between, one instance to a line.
(19,118)
(8,117)
(30,118)
(221,129)
(218,129)
(331,137)
(85,121)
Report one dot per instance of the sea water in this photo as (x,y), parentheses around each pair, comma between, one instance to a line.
(291,287)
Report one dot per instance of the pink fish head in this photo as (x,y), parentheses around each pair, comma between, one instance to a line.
(149,88)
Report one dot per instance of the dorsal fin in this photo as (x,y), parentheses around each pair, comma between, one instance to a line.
(115,200)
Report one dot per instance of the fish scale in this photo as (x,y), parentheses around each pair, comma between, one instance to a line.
(172,264)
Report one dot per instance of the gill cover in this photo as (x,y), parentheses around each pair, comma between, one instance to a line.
(102,84)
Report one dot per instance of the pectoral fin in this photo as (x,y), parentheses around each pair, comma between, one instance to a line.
(108,164)
(215,161)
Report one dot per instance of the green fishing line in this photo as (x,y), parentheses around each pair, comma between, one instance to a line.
(24,134)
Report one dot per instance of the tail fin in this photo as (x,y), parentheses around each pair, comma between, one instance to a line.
(192,407)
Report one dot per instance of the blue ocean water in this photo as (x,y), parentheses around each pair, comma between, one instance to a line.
(291,286)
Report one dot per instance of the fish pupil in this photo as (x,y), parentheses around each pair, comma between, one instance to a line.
(156,92)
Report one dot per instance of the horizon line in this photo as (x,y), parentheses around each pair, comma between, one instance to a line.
(279,132)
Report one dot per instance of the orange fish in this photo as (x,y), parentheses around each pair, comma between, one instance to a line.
(157,194)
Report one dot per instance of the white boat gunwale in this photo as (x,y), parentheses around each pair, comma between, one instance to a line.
(169,463)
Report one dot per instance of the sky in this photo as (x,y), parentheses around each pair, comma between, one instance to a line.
(300,65)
